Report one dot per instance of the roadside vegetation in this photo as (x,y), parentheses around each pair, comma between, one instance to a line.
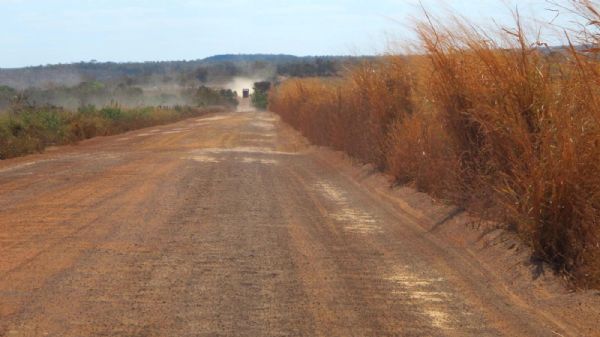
(205,96)
(64,103)
(214,69)
(260,97)
(33,129)
(493,121)
(125,95)
(26,127)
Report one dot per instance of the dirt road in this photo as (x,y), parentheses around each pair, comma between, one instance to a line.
(229,225)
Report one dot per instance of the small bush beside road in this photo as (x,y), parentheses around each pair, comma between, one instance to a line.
(260,97)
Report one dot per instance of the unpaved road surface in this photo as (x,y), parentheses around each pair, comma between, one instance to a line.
(226,226)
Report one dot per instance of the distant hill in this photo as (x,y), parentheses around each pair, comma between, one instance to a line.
(75,73)
(277,58)
(218,67)
(270,58)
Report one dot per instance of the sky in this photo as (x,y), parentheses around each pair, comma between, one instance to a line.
(37,32)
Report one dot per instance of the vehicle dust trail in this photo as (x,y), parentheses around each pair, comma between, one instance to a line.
(226,225)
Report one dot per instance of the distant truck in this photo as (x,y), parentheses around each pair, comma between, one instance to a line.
(246,93)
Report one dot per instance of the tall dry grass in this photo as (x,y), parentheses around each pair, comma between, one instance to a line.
(353,114)
(526,127)
(488,119)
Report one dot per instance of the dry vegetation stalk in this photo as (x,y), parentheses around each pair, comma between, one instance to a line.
(487,119)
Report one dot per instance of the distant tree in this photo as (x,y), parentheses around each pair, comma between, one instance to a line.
(259,65)
(201,74)
(206,96)
(224,69)
(263,86)
(20,103)
(6,95)
(319,66)
(86,91)
(260,97)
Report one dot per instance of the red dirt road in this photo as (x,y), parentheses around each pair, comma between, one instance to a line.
(229,225)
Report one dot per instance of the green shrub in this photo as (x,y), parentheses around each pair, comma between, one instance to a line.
(32,129)
(260,97)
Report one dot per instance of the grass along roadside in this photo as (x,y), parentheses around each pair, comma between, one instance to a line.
(491,121)
(31,130)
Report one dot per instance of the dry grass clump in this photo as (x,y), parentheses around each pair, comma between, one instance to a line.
(526,127)
(353,114)
(489,119)
(420,153)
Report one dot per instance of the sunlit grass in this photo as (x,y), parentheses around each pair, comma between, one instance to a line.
(33,129)
(490,120)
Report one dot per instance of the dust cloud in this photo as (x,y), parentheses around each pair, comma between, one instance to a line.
(238,84)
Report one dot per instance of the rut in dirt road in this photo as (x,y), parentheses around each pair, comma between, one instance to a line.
(228,225)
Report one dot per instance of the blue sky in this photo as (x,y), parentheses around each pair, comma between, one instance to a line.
(38,32)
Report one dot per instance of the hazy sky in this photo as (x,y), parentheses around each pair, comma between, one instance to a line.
(38,32)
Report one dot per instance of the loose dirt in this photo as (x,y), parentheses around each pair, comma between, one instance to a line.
(231,225)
